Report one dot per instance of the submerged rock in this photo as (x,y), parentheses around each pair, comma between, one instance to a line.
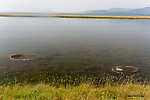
(125,69)
(22,57)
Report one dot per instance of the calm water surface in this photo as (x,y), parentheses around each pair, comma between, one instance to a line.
(73,45)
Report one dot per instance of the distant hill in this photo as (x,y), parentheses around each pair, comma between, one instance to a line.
(117,12)
(113,11)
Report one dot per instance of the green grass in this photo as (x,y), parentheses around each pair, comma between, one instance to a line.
(84,91)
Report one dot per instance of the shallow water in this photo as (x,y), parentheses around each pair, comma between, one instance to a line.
(73,45)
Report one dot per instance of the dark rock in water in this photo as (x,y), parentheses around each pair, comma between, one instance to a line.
(30,57)
(22,57)
(123,74)
(125,69)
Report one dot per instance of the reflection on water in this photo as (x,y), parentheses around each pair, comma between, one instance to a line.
(73,45)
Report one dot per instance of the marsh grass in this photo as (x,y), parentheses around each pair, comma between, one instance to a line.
(76,16)
(101,16)
(84,91)
(72,87)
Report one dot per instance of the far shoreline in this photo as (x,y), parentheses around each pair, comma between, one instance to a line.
(76,16)
(103,17)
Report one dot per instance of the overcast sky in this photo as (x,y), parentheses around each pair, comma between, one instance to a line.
(68,5)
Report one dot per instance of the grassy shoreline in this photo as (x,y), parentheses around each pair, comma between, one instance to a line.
(72,87)
(84,91)
(76,16)
(103,17)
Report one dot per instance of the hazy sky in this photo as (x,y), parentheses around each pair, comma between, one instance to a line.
(68,5)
